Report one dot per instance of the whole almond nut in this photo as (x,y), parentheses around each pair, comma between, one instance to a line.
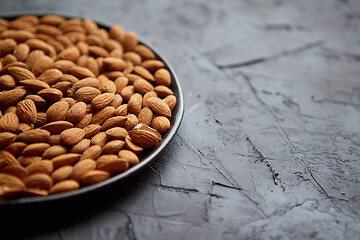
(81,72)
(144,52)
(72,136)
(129,41)
(111,164)
(117,32)
(7,159)
(161,124)
(7,46)
(170,100)
(37,44)
(71,54)
(11,182)
(64,186)
(57,111)
(81,146)
(40,119)
(132,57)
(32,56)
(159,106)
(127,92)
(85,121)
(116,133)
(11,97)
(108,87)
(132,77)
(39,101)
(143,72)
(102,100)
(117,101)
(63,86)
(86,82)
(94,176)
(21,51)
(7,82)
(53,20)
(111,44)
(145,116)
(35,148)
(26,110)
(162,77)
(51,94)
(57,126)
(34,85)
(86,94)
(17,171)
(15,148)
(65,159)
(53,151)
(163,91)
(152,65)
(33,136)
(55,140)
(41,64)
(113,122)
(142,86)
(113,64)
(49,30)
(27,160)
(76,112)
(131,122)
(144,136)
(92,152)
(121,110)
(63,66)
(91,130)
(9,122)
(129,156)
(113,147)
(38,180)
(102,115)
(120,83)
(99,139)
(43,166)
(19,36)
(69,100)
(135,104)
(130,145)
(62,173)
(147,96)
(81,168)
(51,76)
(97,51)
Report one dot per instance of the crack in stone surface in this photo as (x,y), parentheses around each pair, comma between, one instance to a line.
(284,53)
(130,233)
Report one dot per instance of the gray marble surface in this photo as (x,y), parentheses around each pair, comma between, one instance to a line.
(269,146)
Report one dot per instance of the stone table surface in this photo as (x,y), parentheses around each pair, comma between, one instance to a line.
(269,146)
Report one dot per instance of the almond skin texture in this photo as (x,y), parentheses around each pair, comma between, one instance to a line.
(43,166)
(19,73)
(7,82)
(81,168)
(129,156)
(57,111)
(11,97)
(62,173)
(9,122)
(135,104)
(65,159)
(57,126)
(64,186)
(92,152)
(162,77)
(38,180)
(26,110)
(161,124)
(72,136)
(159,106)
(102,100)
(144,136)
(54,151)
(94,176)
(142,86)
(86,94)
(33,136)
(76,112)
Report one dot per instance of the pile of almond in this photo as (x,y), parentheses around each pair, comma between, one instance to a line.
(78,104)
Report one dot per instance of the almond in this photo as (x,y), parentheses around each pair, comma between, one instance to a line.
(84,122)
(34,85)
(117,32)
(11,97)
(65,159)
(117,101)
(76,112)
(102,100)
(17,171)
(127,92)
(152,65)
(51,94)
(144,136)
(32,56)
(132,77)
(86,82)
(145,116)
(24,127)
(49,30)
(33,136)
(99,139)
(15,148)
(131,122)
(102,115)
(159,106)
(41,64)
(162,77)
(62,173)
(120,83)
(135,104)
(57,126)
(35,148)
(81,72)
(64,186)
(86,94)
(72,136)
(121,110)
(108,87)
(143,72)
(7,46)
(55,140)
(129,41)
(54,151)
(39,101)
(170,100)
(144,52)
(38,180)
(57,111)
(19,36)
(113,147)
(91,130)
(63,86)
(81,168)
(112,164)
(111,44)
(21,51)
(116,133)
(142,86)
(94,176)
(43,166)
(117,53)
(63,66)
(96,51)
(9,122)
(81,146)
(129,156)
(117,121)
(147,96)
(51,76)
(33,192)
(27,160)
(71,54)
(132,57)
(130,145)
(7,82)
(52,20)
(92,152)
(113,64)
(161,124)
(7,159)
(26,110)
(10,182)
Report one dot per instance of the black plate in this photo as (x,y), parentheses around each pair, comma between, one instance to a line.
(145,159)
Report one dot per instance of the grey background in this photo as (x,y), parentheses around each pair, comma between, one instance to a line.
(270,141)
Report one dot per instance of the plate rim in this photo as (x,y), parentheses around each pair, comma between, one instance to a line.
(133,170)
